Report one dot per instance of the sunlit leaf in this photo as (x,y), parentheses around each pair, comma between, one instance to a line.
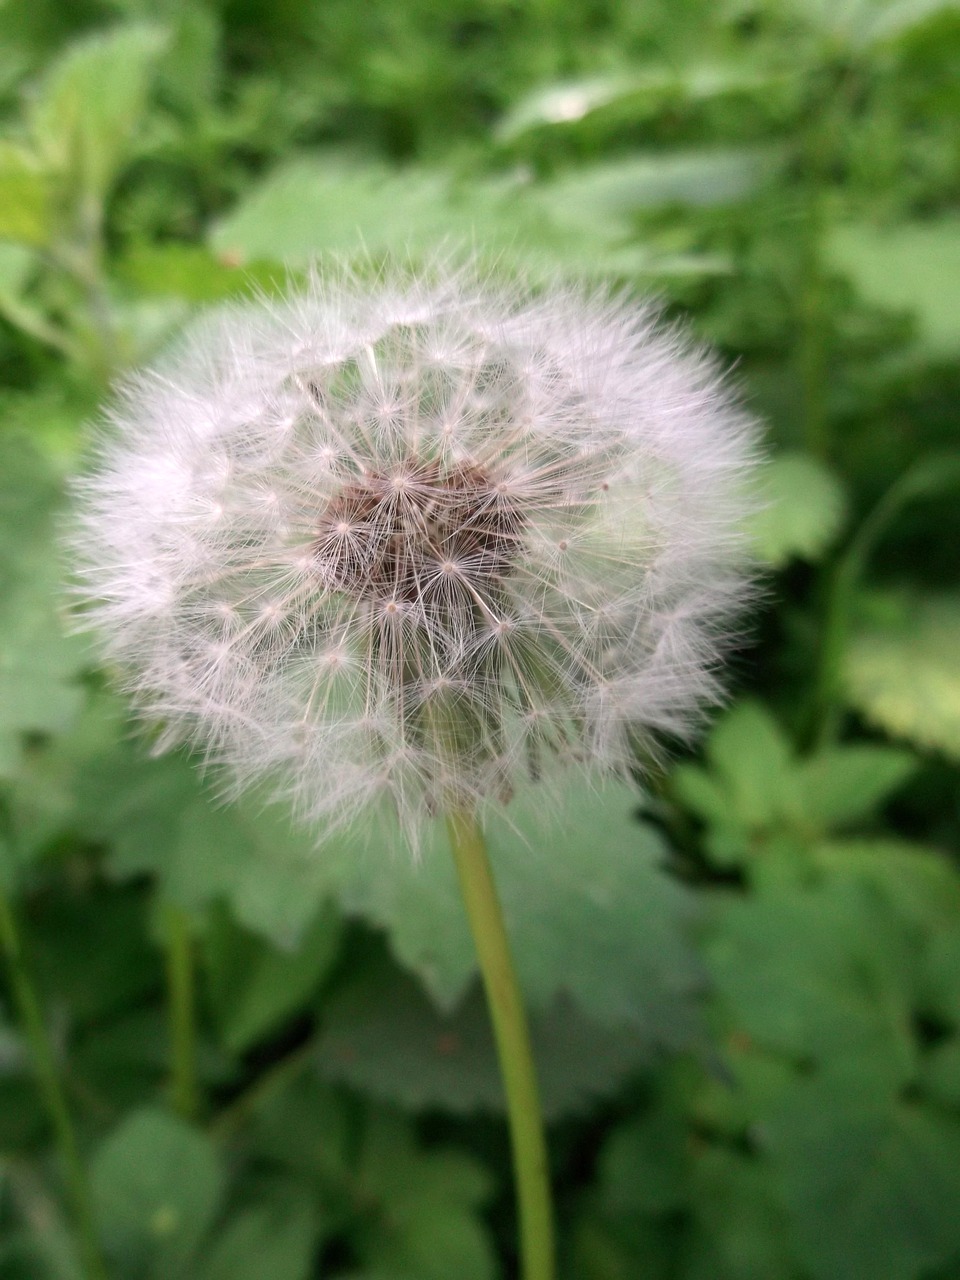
(913,268)
(90,104)
(801,507)
(902,669)
(25,197)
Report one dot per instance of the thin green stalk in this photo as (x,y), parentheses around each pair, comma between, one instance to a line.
(181,992)
(51,1091)
(531,1171)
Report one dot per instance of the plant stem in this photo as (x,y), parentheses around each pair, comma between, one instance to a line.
(51,1090)
(513,1045)
(181,992)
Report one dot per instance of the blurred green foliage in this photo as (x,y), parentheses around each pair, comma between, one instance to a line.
(745,984)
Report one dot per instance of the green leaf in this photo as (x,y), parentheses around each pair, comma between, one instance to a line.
(269,1242)
(871,1184)
(312,205)
(382,1035)
(90,104)
(426,1223)
(739,1221)
(25,197)
(825,976)
(607,194)
(644,1166)
(921,883)
(157,1185)
(801,511)
(902,670)
(158,818)
(193,273)
(410,1211)
(39,666)
(568,102)
(754,763)
(39,662)
(940,1072)
(589,909)
(914,268)
(843,785)
(255,986)
(335,203)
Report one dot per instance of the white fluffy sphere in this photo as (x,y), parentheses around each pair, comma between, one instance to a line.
(419,537)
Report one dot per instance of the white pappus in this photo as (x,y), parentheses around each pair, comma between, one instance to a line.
(419,535)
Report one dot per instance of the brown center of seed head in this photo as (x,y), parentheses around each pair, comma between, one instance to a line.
(412,534)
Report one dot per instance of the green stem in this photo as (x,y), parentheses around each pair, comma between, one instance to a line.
(184,1090)
(513,1046)
(51,1090)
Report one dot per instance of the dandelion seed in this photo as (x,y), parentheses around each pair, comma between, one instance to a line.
(418,538)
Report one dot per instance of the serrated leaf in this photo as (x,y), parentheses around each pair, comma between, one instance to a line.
(902,671)
(39,662)
(753,759)
(39,667)
(157,1185)
(158,817)
(871,1183)
(801,510)
(588,908)
(382,1035)
(914,268)
(843,785)
(90,104)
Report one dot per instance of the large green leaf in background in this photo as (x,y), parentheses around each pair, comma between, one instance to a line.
(382,1035)
(91,102)
(902,668)
(590,909)
(913,268)
(334,203)
(39,662)
(801,507)
(871,1181)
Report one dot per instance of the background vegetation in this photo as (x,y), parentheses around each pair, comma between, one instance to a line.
(746,984)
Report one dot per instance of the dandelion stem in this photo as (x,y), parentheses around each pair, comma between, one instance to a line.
(51,1090)
(513,1045)
(184,1090)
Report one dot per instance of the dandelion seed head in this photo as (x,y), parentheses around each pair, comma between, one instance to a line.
(416,538)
